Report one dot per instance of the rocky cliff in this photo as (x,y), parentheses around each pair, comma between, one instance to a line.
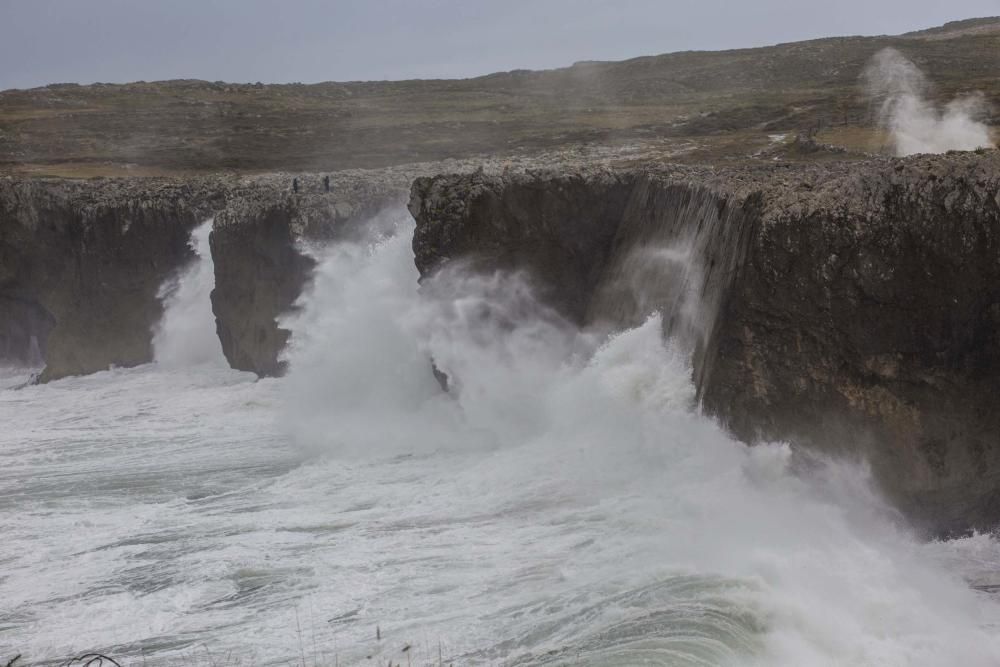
(262,235)
(259,246)
(81,265)
(82,262)
(851,308)
(867,318)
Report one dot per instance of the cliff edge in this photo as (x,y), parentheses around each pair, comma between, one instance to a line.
(853,308)
(81,265)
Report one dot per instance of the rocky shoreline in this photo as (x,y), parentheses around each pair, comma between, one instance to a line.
(853,307)
(82,261)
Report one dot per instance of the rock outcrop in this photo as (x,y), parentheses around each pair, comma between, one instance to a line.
(82,261)
(81,265)
(259,247)
(261,237)
(867,318)
(853,308)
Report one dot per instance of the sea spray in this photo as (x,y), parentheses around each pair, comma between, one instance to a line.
(914,123)
(599,439)
(186,334)
(564,502)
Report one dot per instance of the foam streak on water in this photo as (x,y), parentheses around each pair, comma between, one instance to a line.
(566,504)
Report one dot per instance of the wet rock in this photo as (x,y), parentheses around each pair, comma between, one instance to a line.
(260,243)
(80,267)
(853,308)
(261,239)
(559,226)
(82,261)
(865,322)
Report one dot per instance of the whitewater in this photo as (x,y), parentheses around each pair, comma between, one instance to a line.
(565,502)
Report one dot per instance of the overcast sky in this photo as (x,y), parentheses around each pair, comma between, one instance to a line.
(47,41)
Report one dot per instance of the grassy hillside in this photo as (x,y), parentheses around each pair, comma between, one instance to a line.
(693,106)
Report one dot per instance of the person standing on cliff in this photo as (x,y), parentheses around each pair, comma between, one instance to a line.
(326,183)
(295,185)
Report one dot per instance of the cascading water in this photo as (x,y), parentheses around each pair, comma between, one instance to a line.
(677,252)
(566,503)
(186,335)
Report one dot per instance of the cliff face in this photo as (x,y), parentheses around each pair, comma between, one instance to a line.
(559,226)
(80,268)
(867,319)
(605,248)
(259,272)
(259,243)
(854,309)
(82,262)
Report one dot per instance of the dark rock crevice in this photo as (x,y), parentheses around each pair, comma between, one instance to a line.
(558,227)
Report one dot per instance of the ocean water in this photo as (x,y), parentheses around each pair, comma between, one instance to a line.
(565,503)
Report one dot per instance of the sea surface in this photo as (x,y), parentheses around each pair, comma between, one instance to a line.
(565,503)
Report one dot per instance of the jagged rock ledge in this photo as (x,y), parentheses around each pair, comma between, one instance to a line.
(853,308)
(82,262)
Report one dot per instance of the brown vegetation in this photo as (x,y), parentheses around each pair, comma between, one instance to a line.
(697,106)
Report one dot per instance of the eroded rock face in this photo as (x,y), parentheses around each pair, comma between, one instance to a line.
(851,308)
(259,273)
(82,262)
(260,243)
(25,326)
(867,320)
(605,248)
(558,226)
(259,247)
(80,268)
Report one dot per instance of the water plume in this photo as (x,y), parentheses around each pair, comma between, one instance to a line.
(634,528)
(186,334)
(566,501)
(913,122)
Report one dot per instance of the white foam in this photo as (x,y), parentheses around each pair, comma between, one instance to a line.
(914,124)
(566,503)
(186,334)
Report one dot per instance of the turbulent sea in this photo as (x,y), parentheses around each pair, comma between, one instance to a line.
(565,503)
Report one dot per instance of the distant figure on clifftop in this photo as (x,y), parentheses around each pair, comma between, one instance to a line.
(295,185)
(326,183)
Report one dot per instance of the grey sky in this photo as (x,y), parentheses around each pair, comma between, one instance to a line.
(46,41)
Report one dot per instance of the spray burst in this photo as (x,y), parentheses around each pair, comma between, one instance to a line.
(914,124)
